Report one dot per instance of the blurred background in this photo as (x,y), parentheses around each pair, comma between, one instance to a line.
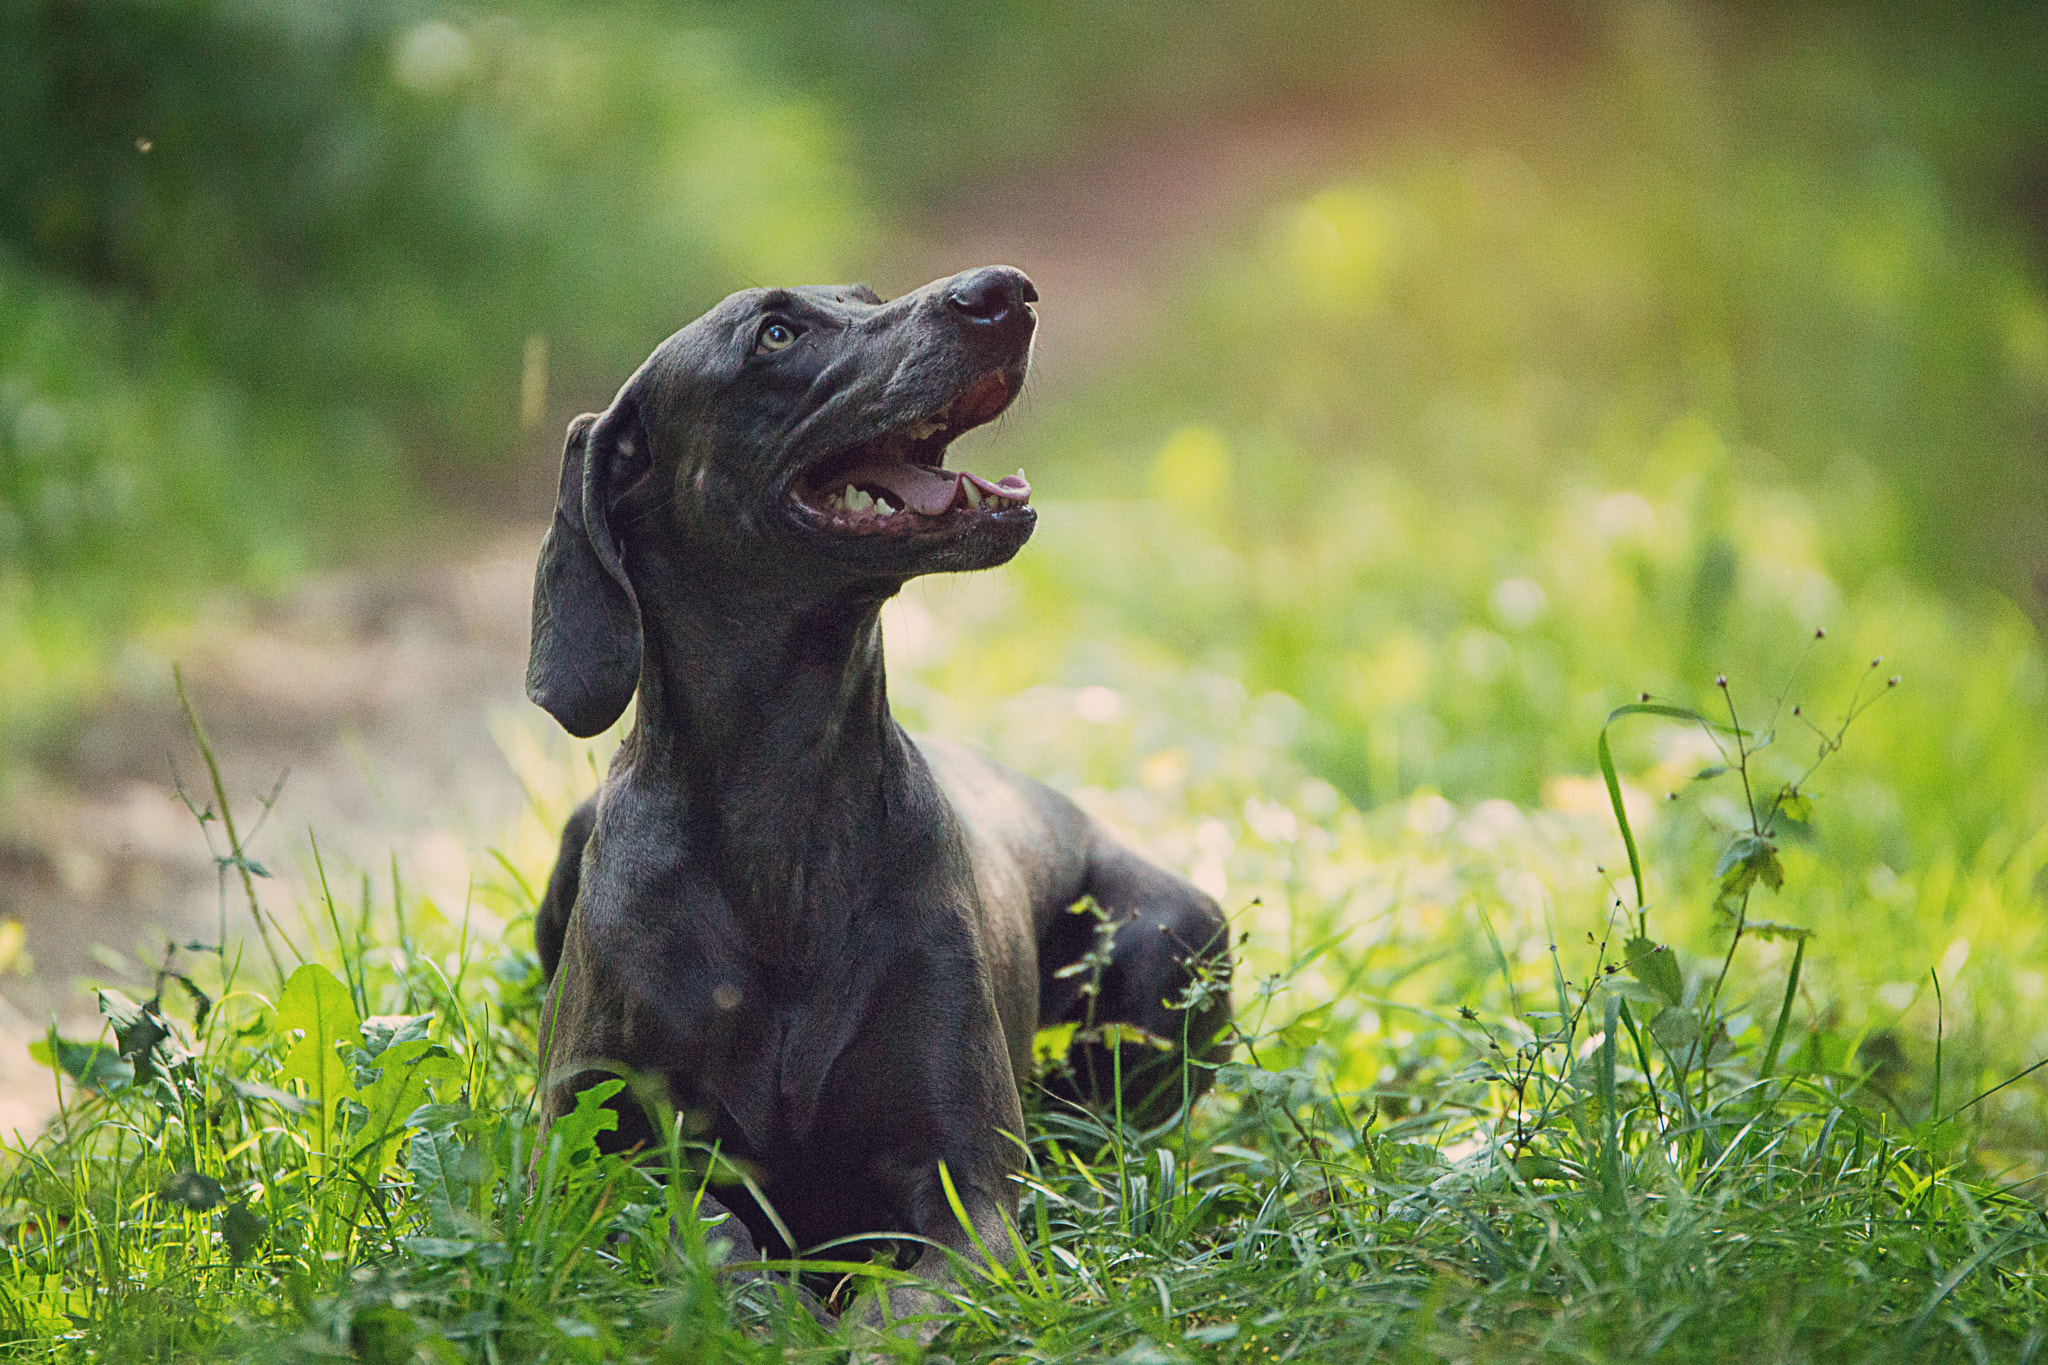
(1416,383)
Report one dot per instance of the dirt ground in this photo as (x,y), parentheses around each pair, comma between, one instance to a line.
(376,692)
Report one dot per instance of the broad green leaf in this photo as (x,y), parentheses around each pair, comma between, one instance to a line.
(407,1075)
(202,1003)
(93,1064)
(1308,1026)
(1748,859)
(1769,870)
(438,1116)
(444,1174)
(1733,856)
(316,1004)
(317,1007)
(141,1033)
(1656,966)
(1677,1029)
(1639,993)
(381,1031)
(573,1136)
(1049,1046)
(283,1099)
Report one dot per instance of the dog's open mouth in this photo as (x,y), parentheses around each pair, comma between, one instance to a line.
(898,481)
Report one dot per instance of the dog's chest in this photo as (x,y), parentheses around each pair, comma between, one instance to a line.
(779,1071)
(802,1017)
(840,1060)
(773,1078)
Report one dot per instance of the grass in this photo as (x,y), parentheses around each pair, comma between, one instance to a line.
(1475,1113)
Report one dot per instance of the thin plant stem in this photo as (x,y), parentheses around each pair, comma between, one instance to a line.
(227,820)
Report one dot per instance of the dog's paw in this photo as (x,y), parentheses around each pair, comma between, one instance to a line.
(897,1326)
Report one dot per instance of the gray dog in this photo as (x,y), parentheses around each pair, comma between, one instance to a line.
(830,942)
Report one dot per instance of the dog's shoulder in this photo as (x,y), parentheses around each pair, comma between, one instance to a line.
(1020,828)
(997,800)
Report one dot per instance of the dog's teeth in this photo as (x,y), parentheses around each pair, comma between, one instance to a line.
(973,495)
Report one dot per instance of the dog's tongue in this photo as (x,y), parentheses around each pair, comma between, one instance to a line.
(932,492)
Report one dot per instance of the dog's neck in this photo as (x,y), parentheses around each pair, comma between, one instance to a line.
(770,713)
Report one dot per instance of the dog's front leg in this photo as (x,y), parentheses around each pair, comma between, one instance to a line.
(719,1224)
(918,1310)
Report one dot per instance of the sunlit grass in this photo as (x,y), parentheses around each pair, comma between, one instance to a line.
(1455,1126)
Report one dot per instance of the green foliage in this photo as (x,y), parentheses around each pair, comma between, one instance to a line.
(262,266)
(1592,1157)
(315,1009)
(405,197)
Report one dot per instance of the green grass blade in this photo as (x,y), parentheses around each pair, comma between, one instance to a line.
(1610,1110)
(1770,1063)
(1613,780)
(1628,836)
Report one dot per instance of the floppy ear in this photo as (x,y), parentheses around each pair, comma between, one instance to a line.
(585,659)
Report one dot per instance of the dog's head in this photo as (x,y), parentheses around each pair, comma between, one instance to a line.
(793,439)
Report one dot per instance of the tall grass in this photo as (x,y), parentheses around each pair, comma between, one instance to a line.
(1476,1112)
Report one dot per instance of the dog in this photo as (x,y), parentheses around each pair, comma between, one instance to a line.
(831,943)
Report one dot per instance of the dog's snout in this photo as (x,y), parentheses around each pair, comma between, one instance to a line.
(991,296)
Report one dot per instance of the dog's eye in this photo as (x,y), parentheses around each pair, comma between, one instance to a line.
(774,336)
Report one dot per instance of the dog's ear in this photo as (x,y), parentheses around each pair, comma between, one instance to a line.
(585,658)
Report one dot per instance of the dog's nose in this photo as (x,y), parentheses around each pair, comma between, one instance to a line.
(991,295)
